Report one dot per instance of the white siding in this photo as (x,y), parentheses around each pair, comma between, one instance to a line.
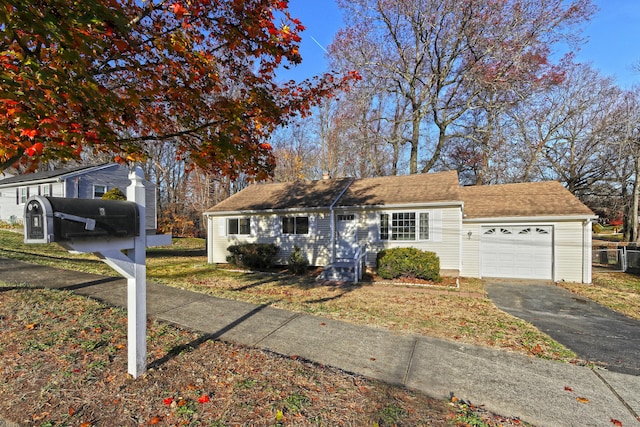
(470,250)
(444,233)
(12,209)
(456,244)
(266,228)
(571,252)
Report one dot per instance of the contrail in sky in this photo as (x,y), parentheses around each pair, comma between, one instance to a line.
(318,43)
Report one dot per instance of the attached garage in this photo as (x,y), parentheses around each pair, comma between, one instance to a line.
(522,251)
(532,231)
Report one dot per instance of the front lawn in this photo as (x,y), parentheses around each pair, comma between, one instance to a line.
(463,314)
(63,361)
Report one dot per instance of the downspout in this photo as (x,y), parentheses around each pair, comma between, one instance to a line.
(332,220)
(587,252)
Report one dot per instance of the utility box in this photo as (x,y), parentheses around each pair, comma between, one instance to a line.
(56,219)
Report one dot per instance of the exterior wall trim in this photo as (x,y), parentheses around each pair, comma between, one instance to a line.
(529,219)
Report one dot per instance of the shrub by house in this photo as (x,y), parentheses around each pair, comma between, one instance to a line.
(408,262)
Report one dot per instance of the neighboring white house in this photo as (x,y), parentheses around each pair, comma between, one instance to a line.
(85,182)
(528,231)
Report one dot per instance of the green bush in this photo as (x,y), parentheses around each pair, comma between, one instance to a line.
(114,194)
(408,262)
(298,264)
(253,255)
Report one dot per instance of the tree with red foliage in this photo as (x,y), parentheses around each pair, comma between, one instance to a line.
(113,76)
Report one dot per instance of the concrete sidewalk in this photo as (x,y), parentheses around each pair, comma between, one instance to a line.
(543,393)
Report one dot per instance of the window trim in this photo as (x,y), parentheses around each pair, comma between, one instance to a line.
(45,190)
(239,227)
(295,224)
(385,225)
(22,195)
(106,189)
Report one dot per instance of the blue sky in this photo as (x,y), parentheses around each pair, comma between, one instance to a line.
(613,38)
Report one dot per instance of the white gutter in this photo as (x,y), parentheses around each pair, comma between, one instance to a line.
(522,219)
(332,220)
(264,211)
(323,208)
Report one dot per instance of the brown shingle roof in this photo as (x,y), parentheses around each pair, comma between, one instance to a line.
(392,190)
(487,201)
(521,200)
(423,188)
(284,195)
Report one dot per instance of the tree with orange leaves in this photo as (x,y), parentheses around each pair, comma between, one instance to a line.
(116,75)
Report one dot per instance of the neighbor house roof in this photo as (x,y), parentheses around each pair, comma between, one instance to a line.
(391,190)
(58,174)
(528,199)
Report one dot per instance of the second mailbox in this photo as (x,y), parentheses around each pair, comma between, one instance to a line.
(54,219)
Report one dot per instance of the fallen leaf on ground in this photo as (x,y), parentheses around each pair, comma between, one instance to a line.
(566,388)
(616,422)
(582,399)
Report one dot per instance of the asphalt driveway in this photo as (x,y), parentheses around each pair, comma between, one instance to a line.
(593,332)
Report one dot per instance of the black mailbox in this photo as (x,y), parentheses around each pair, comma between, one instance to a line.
(55,219)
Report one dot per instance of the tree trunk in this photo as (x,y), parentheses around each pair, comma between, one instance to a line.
(442,137)
(415,140)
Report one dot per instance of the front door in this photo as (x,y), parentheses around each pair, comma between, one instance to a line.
(346,231)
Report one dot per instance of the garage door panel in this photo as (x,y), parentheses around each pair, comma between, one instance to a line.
(517,251)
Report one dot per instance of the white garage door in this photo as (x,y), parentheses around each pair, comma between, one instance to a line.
(517,251)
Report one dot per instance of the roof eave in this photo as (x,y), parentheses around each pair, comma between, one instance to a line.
(57,178)
(447,203)
(87,170)
(541,218)
(328,208)
(33,182)
(265,211)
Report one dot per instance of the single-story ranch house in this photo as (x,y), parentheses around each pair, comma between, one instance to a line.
(535,230)
(84,182)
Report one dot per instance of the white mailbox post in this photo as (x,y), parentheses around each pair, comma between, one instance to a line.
(119,247)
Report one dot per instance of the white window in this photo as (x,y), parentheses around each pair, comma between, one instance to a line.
(45,190)
(22,195)
(295,224)
(424,226)
(346,217)
(238,226)
(98,191)
(404,226)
